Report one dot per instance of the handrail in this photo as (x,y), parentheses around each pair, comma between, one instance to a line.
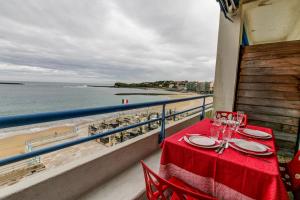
(19,120)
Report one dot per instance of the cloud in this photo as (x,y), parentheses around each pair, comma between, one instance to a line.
(107,41)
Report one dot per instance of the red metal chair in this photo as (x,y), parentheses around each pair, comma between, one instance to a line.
(231,115)
(290,173)
(173,189)
(224,115)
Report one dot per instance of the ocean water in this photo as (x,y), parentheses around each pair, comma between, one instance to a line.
(45,97)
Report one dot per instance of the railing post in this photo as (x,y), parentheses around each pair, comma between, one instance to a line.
(163,123)
(202,115)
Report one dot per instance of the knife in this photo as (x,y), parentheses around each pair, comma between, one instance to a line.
(223,147)
(221,151)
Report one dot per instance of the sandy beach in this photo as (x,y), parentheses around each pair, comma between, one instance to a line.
(13,142)
(16,144)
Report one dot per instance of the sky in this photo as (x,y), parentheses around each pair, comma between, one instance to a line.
(103,41)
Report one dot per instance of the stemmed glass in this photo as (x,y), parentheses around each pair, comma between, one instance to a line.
(232,124)
(239,117)
(227,134)
(217,121)
(216,127)
(215,132)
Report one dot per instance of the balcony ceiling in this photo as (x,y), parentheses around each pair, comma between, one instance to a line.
(268,21)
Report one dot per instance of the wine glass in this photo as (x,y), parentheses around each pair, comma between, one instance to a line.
(240,117)
(215,132)
(227,133)
(217,120)
(232,124)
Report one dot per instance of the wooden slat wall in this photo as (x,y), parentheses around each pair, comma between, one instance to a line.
(268,88)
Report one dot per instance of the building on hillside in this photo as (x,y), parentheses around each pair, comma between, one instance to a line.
(191,86)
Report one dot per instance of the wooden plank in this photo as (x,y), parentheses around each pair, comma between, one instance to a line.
(290,96)
(269,110)
(268,55)
(285,145)
(285,137)
(289,79)
(269,102)
(270,71)
(270,87)
(283,63)
(275,119)
(290,129)
(288,45)
(275,126)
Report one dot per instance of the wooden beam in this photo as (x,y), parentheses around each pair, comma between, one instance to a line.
(289,79)
(269,87)
(269,102)
(288,96)
(292,70)
(269,110)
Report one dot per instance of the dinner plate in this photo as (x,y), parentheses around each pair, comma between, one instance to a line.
(256,133)
(201,140)
(217,144)
(251,152)
(253,136)
(251,146)
(267,153)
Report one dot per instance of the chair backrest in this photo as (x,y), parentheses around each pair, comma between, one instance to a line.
(224,115)
(227,115)
(294,171)
(159,188)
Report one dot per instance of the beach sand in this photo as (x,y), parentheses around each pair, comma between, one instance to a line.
(16,144)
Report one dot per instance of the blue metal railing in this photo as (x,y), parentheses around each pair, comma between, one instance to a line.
(21,120)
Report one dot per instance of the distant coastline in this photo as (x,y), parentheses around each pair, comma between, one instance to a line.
(11,83)
(103,86)
(146,94)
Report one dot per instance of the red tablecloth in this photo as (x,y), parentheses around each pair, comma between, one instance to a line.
(231,175)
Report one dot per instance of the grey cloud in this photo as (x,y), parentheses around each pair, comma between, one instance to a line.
(107,41)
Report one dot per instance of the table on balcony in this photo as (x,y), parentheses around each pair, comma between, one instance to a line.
(231,175)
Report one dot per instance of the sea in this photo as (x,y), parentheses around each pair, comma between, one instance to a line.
(35,97)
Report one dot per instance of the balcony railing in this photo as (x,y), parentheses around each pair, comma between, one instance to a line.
(21,120)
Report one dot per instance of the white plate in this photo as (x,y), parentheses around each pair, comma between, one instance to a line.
(263,138)
(201,140)
(249,152)
(217,144)
(256,133)
(251,146)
